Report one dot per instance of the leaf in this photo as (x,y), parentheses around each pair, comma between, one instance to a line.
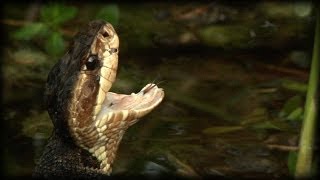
(256,115)
(292,161)
(294,86)
(30,31)
(296,114)
(56,14)
(266,125)
(109,13)
(55,44)
(291,104)
(221,129)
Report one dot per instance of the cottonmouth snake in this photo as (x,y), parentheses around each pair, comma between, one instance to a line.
(89,121)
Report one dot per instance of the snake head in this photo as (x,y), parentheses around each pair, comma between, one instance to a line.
(78,97)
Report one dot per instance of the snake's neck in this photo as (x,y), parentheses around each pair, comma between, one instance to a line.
(106,153)
(99,158)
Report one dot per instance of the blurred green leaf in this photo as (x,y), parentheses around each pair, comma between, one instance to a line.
(296,114)
(256,115)
(56,14)
(55,44)
(292,104)
(109,13)
(292,161)
(30,31)
(267,125)
(294,86)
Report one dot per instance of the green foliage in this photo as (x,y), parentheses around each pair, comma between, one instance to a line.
(292,109)
(294,86)
(52,16)
(56,14)
(30,31)
(296,114)
(267,125)
(109,13)
(55,43)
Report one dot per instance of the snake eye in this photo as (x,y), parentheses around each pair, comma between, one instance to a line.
(92,63)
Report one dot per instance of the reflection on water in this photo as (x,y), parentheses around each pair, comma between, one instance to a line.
(225,113)
(210,122)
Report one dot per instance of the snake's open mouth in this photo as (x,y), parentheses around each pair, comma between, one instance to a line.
(141,101)
(131,106)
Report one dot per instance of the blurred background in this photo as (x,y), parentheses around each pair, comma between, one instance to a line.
(234,73)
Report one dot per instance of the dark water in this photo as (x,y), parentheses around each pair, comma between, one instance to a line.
(224,111)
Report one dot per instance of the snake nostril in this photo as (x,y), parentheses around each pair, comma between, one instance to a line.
(105,34)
